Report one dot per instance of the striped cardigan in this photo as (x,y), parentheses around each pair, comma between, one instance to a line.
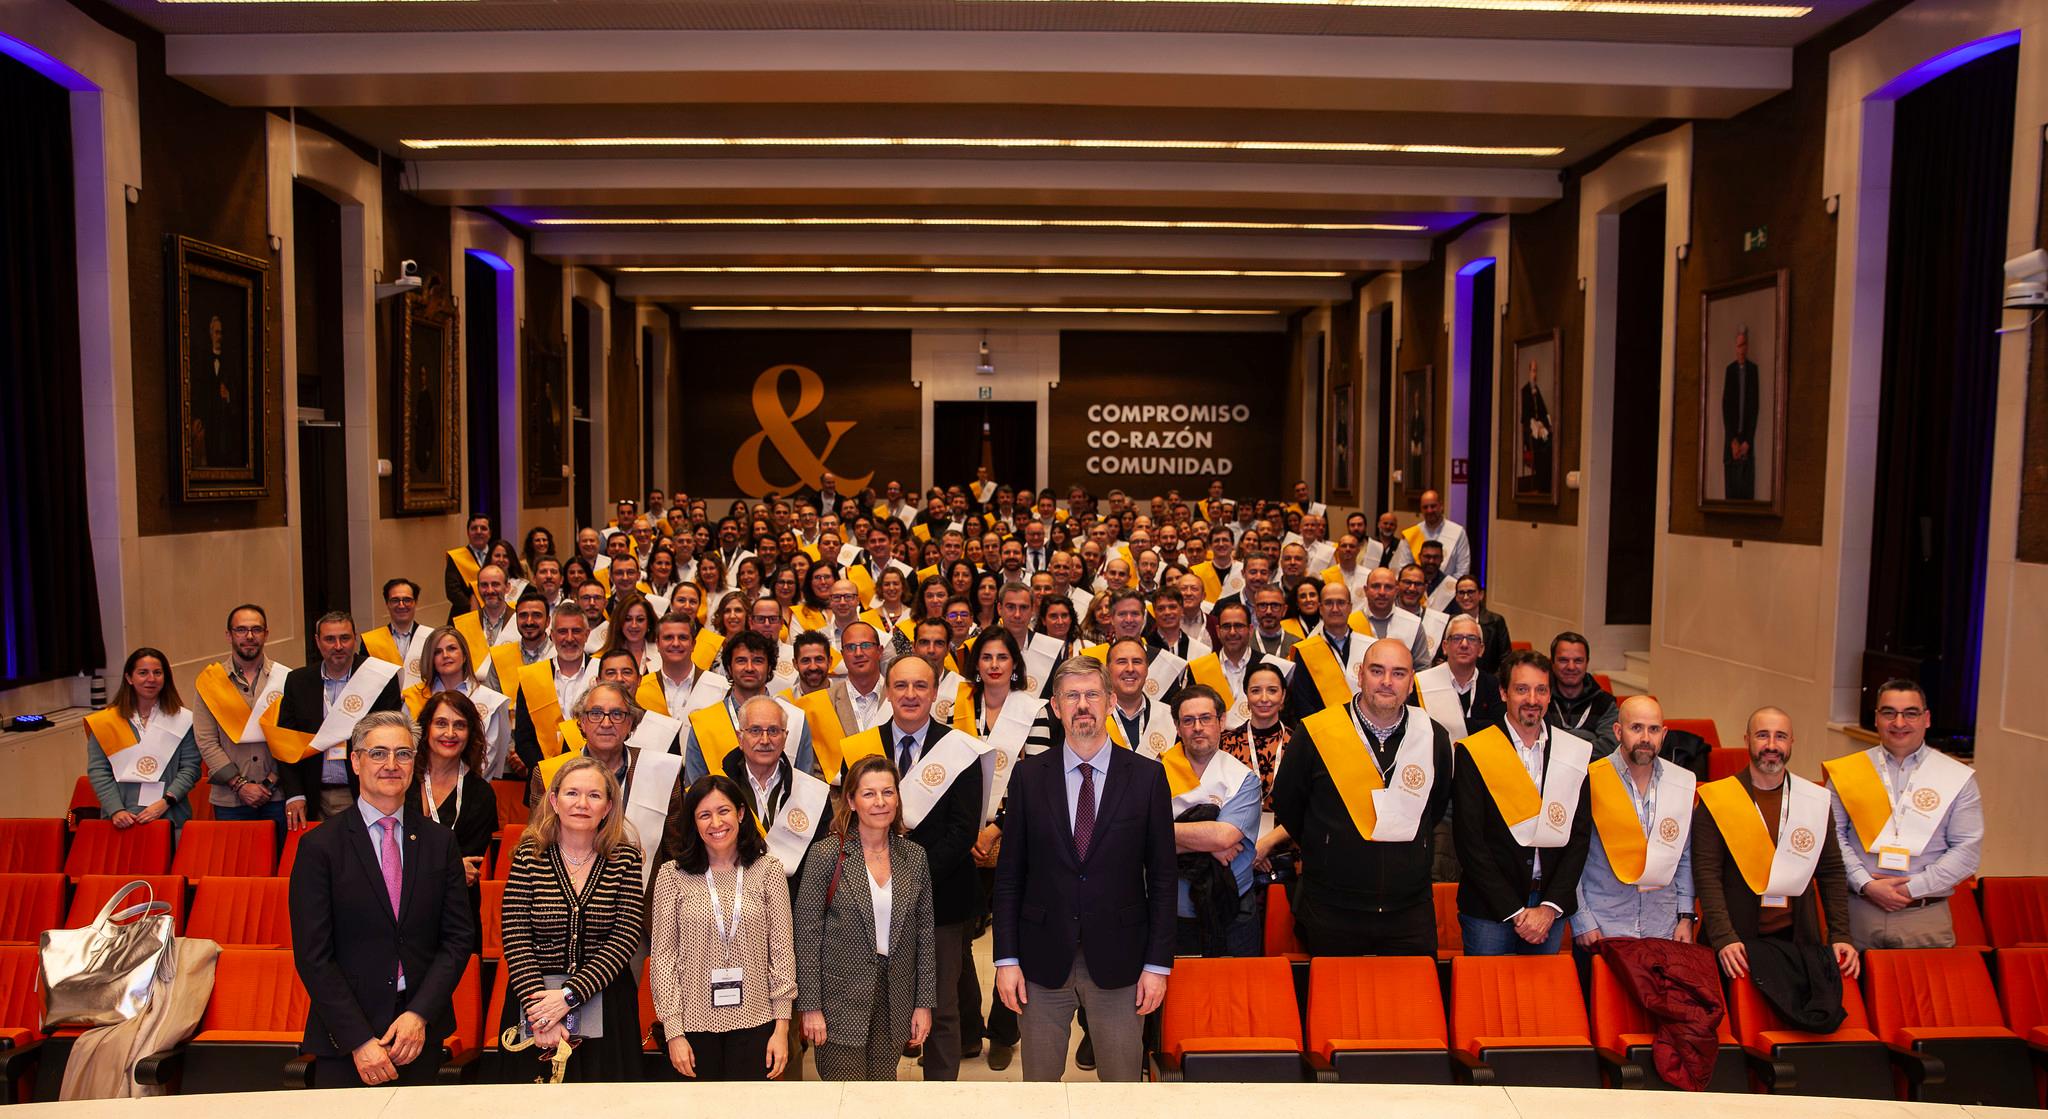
(593,939)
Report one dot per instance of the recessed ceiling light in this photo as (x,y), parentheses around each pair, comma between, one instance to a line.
(1021,223)
(927,310)
(1594,7)
(961,270)
(1088,142)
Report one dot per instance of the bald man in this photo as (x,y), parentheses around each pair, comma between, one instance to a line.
(1638,876)
(1362,786)
(1434,526)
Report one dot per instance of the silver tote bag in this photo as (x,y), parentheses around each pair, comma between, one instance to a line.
(101,974)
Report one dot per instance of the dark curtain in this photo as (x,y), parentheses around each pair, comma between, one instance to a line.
(1951,172)
(1638,390)
(49,601)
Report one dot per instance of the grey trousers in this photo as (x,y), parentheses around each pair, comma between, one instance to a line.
(941,1057)
(1113,1024)
(1928,926)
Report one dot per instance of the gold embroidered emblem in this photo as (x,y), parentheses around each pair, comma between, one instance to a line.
(352,704)
(1926,800)
(1802,840)
(1667,830)
(1555,814)
(1002,761)
(799,821)
(932,776)
(1412,777)
(146,767)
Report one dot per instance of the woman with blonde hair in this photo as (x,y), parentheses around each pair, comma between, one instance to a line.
(573,924)
(863,918)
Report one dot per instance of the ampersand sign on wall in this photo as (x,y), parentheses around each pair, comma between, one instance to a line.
(778,427)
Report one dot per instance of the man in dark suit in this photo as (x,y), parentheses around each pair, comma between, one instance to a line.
(1085,887)
(319,785)
(381,924)
(461,598)
(1534,476)
(1739,386)
(947,833)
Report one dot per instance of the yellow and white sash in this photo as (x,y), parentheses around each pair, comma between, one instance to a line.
(651,695)
(863,583)
(655,773)
(1163,673)
(1216,784)
(1907,817)
(471,627)
(1782,871)
(1537,817)
(1439,695)
(466,565)
(1002,747)
(1381,813)
(364,685)
(789,834)
(1039,661)
(543,706)
(934,773)
(706,652)
(1333,681)
(414,667)
(656,734)
(489,701)
(1212,586)
(1159,729)
(807,619)
(145,760)
(827,733)
(380,644)
(1646,861)
(715,734)
(1207,670)
(234,714)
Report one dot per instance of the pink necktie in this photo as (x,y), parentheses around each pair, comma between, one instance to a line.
(391,869)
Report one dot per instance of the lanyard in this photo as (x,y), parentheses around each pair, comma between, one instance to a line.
(1646,805)
(1370,734)
(433,806)
(1784,804)
(1905,794)
(739,899)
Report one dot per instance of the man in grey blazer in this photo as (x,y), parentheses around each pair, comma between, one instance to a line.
(1085,887)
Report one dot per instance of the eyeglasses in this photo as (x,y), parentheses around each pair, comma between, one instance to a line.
(859,647)
(249,631)
(1910,714)
(1462,639)
(379,755)
(764,732)
(1231,625)
(607,715)
(1197,720)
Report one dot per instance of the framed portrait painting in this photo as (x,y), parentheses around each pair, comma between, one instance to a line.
(427,394)
(544,418)
(1416,424)
(218,342)
(1342,480)
(1743,359)
(1538,410)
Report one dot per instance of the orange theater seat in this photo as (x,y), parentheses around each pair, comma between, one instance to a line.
(492,917)
(232,849)
(465,1045)
(1280,938)
(291,849)
(1936,1010)
(1967,918)
(508,842)
(251,1030)
(101,848)
(85,803)
(1606,683)
(94,890)
(512,807)
(1520,646)
(1705,728)
(32,846)
(1230,1020)
(2015,910)
(29,904)
(2023,992)
(1624,1034)
(1378,1019)
(1521,1020)
(1848,1062)
(1450,939)
(21,1019)
(242,912)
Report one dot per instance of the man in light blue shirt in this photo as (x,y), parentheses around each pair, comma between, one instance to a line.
(1233,791)
(1660,796)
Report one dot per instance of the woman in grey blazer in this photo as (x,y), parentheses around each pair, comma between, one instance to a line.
(863,925)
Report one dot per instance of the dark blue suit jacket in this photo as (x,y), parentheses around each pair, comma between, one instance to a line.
(1116,909)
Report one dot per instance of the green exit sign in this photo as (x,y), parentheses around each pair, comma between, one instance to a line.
(1754,239)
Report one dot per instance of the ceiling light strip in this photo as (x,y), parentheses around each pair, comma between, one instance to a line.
(472,143)
(1567,7)
(926,310)
(1019,223)
(973,270)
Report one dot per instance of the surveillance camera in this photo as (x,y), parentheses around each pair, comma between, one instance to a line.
(2026,282)
(408,268)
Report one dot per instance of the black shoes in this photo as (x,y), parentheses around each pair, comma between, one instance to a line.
(1084,1057)
(999,1055)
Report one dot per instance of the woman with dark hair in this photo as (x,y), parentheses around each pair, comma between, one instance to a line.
(988,587)
(502,553)
(1305,606)
(931,599)
(711,575)
(815,609)
(539,542)
(960,579)
(449,787)
(891,612)
(140,753)
(575,572)
(866,963)
(573,920)
(1260,742)
(784,588)
(632,630)
(748,575)
(1056,619)
(447,668)
(731,615)
(722,965)
(660,577)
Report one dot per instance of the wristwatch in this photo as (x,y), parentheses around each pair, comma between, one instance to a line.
(569,997)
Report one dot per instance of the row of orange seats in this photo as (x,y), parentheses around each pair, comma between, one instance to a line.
(234,849)
(1926,1024)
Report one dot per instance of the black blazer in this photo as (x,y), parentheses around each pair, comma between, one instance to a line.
(1118,907)
(1303,697)
(457,588)
(476,825)
(348,947)
(1496,872)
(299,709)
(947,833)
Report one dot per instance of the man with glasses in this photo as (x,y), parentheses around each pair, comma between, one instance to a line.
(1095,873)
(1470,600)
(749,661)
(1911,826)
(861,655)
(1218,912)
(391,642)
(1269,609)
(233,693)
(844,602)
(1409,596)
(765,618)
(323,702)
(381,940)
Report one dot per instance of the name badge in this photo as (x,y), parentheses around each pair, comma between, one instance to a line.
(1894,858)
(1773,901)
(726,986)
(338,752)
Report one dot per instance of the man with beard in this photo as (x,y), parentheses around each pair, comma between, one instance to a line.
(1638,876)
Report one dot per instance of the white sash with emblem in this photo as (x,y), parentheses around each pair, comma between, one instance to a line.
(1159,733)
(265,695)
(1562,778)
(933,774)
(789,835)
(1618,823)
(1038,661)
(1001,748)
(1217,783)
(1163,673)
(416,658)
(149,759)
(1806,827)
(709,689)
(1886,817)
(1399,801)
(656,734)
(1440,698)
(655,774)
(362,689)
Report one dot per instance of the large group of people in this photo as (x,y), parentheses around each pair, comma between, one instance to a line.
(800,757)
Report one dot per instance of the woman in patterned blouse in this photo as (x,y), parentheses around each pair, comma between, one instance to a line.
(1260,742)
(573,927)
